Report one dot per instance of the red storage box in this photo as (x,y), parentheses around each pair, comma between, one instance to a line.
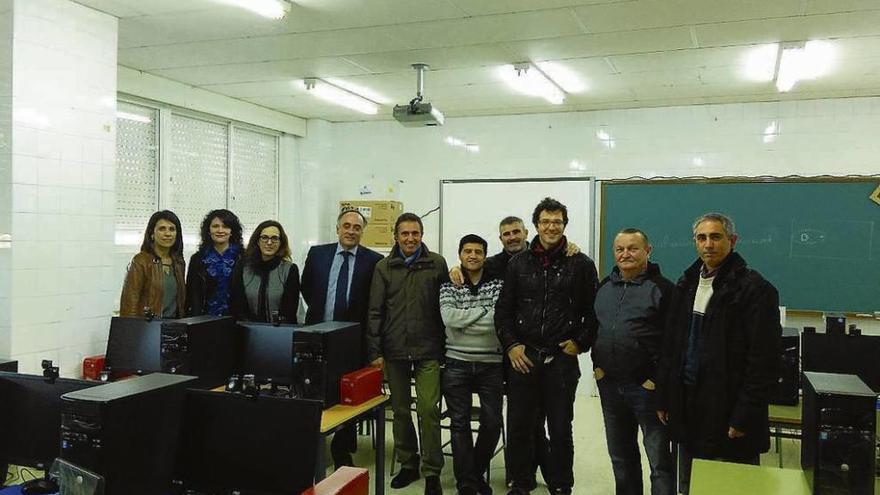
(92,367)
(345,481)
(360,386)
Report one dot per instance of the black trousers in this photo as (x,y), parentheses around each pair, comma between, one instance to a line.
(549,387)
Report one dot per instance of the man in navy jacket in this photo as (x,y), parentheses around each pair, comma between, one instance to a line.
(336,286)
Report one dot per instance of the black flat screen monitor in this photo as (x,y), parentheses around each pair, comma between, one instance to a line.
(233,443)
(846,354)
(268,352)
(30,418)
(133,346)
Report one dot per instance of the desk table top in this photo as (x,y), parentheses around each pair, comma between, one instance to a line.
(339,414)
(727,478)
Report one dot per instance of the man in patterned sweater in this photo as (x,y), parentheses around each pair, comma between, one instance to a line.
(473,365)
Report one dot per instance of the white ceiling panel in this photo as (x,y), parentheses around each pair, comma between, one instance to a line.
(591,45)
(265,71)
(629,53)
(489,29)
(437,58)
(646,14)
(486,7)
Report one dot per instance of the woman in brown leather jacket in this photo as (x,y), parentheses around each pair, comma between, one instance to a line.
(154,282)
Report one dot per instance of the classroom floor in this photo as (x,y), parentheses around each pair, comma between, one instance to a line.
(592,467)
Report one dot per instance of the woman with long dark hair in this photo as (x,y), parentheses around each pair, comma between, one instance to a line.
(154,282)
(208,280)
(265,286)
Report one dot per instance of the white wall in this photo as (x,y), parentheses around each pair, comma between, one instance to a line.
(62,200)
(814,137)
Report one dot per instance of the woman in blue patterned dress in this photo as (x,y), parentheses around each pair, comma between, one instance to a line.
(209,277)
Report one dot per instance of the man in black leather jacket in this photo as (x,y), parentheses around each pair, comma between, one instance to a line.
(544,319)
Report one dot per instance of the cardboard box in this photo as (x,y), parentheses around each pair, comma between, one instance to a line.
(345,481)
(379,235)
(376,212)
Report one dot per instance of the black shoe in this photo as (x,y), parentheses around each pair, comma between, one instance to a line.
(518,491)
(404,478)
(432,485)
(533,484)
(467,490)
(483,488)
(559,491)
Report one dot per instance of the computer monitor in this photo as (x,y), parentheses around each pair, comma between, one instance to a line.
(263,446)
(847,354)
(134,346)
(268,352)
(30,417)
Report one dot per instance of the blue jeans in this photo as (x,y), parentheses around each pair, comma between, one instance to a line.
(461,379)
(627,406)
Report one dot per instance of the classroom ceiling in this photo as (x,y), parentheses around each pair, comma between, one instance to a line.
(628,53)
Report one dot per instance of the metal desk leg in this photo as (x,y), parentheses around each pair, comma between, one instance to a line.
(779,446)
(380,450)
(320,459)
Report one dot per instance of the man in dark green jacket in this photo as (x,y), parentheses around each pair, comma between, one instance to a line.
(405,337)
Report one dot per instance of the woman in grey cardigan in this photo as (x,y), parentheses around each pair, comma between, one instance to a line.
(266,286)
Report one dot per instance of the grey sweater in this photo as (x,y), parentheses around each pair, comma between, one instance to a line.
(468,313)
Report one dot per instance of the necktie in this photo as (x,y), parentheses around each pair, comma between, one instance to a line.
(340,308)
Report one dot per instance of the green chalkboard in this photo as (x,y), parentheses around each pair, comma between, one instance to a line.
(817,241)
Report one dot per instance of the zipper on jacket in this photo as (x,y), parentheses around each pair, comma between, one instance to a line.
(544,305)
(614,335)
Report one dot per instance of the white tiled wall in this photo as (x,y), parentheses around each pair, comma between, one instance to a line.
(63,101)
(833,137)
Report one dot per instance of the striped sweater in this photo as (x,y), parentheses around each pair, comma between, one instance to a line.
(468,313)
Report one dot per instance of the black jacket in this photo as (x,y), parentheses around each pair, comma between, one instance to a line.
(632,318)
(542,307)
(200,286)
(738,356)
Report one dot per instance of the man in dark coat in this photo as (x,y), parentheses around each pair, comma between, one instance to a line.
(544,319)
(719,361)
(342,295)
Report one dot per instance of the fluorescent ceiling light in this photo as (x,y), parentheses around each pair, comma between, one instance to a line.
(528,79)
(133,117)
(798,63)
(760,62)
(567,79)
(273,9)
(334,94)
(473,148)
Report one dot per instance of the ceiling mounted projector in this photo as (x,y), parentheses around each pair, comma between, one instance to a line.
(417,113)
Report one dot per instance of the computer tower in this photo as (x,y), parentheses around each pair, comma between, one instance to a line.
(788,383)
(203,346)
(837,443)
(8,365)
(126,431)
(322,353)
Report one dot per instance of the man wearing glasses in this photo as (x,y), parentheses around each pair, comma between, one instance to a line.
(544,318)
(336,286)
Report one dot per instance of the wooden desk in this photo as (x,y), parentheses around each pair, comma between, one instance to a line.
(726,478)
(334,418)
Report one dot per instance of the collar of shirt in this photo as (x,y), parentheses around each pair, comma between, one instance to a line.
(340,249)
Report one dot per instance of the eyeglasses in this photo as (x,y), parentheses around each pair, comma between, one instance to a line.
(266,239)
(547,223)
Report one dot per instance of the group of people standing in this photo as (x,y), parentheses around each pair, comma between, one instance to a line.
(256,283)
(691,363)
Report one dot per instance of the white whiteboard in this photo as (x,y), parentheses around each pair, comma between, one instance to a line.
(476,207)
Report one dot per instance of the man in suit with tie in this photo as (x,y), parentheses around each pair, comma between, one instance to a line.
(336,286)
